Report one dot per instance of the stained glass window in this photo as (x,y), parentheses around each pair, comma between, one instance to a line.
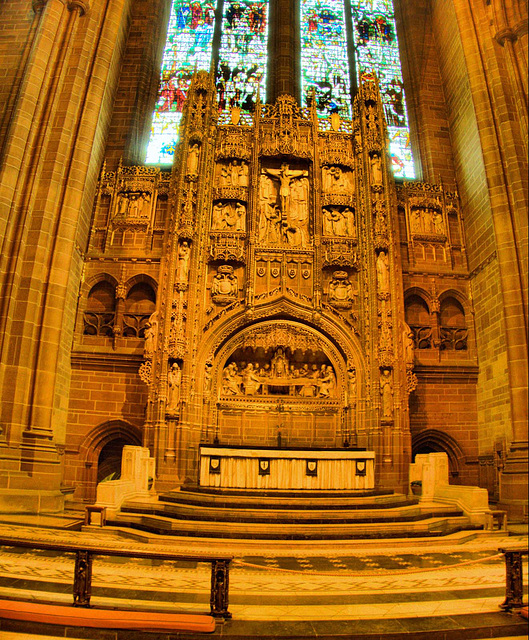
(243,54)
(377,50)
(324,64)
(188,46)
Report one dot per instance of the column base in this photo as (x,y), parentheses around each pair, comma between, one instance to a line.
(513,483)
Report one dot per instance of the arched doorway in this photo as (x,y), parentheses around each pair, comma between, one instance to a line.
(102,452)
(434,441)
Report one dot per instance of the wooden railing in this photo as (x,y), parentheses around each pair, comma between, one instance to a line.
(84,554)
(513,577)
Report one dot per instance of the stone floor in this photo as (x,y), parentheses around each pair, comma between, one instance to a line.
(443,588)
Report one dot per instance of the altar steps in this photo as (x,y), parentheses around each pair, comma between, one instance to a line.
(303,517)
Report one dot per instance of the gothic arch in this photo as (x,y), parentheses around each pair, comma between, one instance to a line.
(419,292)
(94,443)
(141,278)
(433,440)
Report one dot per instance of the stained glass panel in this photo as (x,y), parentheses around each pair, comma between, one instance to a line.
(188,46)
(324,63)
(243,54)
(377,50)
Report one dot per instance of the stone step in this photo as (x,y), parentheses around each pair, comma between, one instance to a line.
(431,526)
(408,513)
(281,500)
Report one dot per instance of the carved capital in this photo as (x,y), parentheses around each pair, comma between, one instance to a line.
(82,5)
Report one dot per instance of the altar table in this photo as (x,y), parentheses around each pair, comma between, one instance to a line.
(274,468)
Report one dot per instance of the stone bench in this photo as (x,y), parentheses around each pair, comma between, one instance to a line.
(105,618)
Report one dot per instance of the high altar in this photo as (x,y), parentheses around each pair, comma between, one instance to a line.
(279,315)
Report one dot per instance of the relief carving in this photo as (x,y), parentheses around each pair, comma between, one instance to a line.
(284,207)
(386,393)
(174,381)
(184,254)
(224,286)
(339,221)
(277,374)
(383,272)
(341,294)
(228,216)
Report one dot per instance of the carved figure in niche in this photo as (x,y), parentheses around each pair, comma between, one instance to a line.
(279,364)
(341,294)
(239,173)
(427,219)
(386,393)
(349,216)
(123,205)
(134,205)
(383,272)
(285,177)
(217,217)
(192,160)
(298,217)
(376,169)
(145,208)
(407,339)
(250,380)
(438,224)
(174,380)
(351,379)
(225,176)
(335,180)
(269,223)
(416,220)
(224,285)
(150,334)
(334,222)
(327,381)
(230,380)
(184,253)
(240,217)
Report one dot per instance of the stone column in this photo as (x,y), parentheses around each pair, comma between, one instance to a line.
(283,50)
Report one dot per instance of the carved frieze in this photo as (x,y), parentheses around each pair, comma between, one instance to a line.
(227,246)
(228,215)
(339,252)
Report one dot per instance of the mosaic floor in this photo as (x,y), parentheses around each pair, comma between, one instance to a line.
(315,584)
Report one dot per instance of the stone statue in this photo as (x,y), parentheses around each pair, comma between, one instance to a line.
(285,177)
(349,216)
(217,217)
(184,253)
(427,219)
(376,169)
(407,339)
(174,380)
(269,223)
(123,205)
(334,222)
(416,220)
(250,380)
(207,378)
(386,393)
(279,364)
(224,286)
(438,224)
(298,216)
(150,335)
(145,210)
(240,217)
(335,180)
(341,294)
(327,381)
(230,384)
(192,160)
(383,272)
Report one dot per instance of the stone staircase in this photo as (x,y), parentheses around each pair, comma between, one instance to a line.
(276,515)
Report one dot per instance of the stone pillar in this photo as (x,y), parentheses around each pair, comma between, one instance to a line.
(50,166)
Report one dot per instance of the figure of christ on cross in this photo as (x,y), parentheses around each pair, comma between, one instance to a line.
(285,176)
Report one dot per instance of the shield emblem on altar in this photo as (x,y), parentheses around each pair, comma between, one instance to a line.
(261,271)
(292,272)
(275,271)
(214,465)
(360,467)
(311,467)
(264,467)
(306,273)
